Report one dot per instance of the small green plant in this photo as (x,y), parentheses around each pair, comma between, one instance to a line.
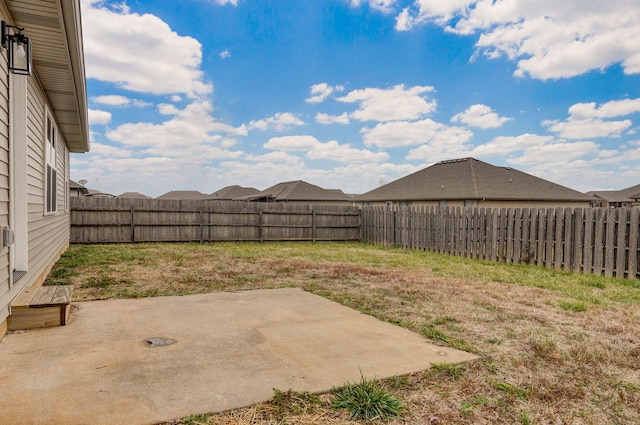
(444,320)
(202,419)
(436,334)
(368,400)
(455,371)
(519,393)
(468,406)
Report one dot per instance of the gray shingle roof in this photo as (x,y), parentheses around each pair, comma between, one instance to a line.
(232,192)
(300,191)
(471,179)
(133,195)
(623,195)
(183,195)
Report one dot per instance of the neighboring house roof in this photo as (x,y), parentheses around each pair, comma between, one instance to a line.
(98,194)
(55,30)
(471,179)
(298,191)
(77,186)
(623,195)
(134,195)
(183,195)
(231,192)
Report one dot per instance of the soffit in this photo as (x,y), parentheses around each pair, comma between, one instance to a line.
(54,27)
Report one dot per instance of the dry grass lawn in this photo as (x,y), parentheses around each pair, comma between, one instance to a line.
(554,348)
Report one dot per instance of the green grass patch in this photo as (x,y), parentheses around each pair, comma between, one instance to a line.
(575,306)
(436,334)
(368,400)
(202,419)
(519,393)
(455,371)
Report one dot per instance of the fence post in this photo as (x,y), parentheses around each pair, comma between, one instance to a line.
(622,242)
(133,225)
(313,225)
(260,225)
(633,243)
(578,240)
(608,254)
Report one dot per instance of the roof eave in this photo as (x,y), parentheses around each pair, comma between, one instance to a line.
(62,78)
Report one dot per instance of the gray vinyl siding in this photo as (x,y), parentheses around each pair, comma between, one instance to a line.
(47,234)
(5,294)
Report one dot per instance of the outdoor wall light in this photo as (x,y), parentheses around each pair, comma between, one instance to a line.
(19,49)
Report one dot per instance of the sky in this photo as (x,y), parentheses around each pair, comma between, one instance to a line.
(353,94)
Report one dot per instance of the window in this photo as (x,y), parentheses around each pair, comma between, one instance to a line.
(468,204)
(51,174)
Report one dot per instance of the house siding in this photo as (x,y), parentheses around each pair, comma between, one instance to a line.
(48,234)
(5,282)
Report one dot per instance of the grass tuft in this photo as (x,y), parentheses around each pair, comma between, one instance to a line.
(436,334)
(455,371)
(575,306)
(519,393)
(368,400)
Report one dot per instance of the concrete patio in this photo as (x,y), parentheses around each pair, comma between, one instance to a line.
(228,350)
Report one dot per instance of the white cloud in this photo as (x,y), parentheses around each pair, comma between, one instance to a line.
(480,116)
(331,150)
(292,143)
(612,109)
(384,6)
(276,157)
(225,54)
(319,92)
(104,150)
(588,128)
(117,100)
(140,52)
(402,133)
(393,104)
(186,130)
(505,145)
(557,152)
(344,153)
(281,121)
(438,152)
(327,119)
(588,120)
(112,100)
(548,38)
(99,117)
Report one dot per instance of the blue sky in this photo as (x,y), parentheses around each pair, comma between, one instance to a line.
(351,94)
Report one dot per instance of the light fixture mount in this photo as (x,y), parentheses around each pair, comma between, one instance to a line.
(18,48)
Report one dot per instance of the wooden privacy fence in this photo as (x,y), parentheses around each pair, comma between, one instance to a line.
(583,240)
(113,220)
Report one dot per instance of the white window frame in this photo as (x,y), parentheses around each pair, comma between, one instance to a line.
(51,165)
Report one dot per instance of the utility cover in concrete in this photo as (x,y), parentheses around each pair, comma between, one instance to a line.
(230,350)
